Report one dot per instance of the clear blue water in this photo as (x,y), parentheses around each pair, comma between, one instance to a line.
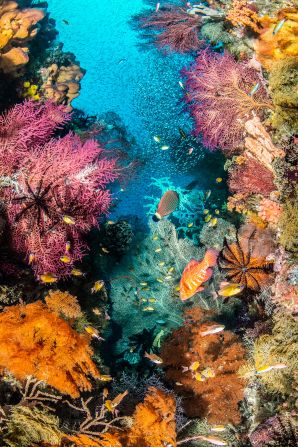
(141,86)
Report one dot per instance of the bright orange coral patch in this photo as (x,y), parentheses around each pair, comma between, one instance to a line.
(36,342)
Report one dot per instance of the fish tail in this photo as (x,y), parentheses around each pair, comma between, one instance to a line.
(211,257)
(184,369)
(156,217)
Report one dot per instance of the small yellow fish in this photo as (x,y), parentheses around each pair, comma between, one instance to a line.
(105,250)
(208,373)
(157,138)
(109,406)
(158,250)
(208,218)
(199,377)
(145,289)
(105,378)
(155,238)
(143,284)
(171,269)
(218,180)
(193,367)
(144,300)
(152,300)
(77,272)
(148,309)
(65,259)
(110,222)
(206,211)
(190,225)
(93,332)
(267,368)
(230,289)
(162,263)
(26,84)
(218,428)
(105,393)
(213,222)
(160,280)
(177,288)
(67,247)
(96,311)
(165,147)
(98,285)
(31,258)
(168,277)
(48,278)
(216,211)
(68,220)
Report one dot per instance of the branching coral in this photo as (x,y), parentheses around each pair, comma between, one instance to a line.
(218,90)
(17,27)
(244,261)
(46,347)
(45,211)
(222,352)
(251,177)
(172,28)
(278,431)
(63,304)
(243,13)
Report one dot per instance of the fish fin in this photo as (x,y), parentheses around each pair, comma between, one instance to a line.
(211,257)
(223,284)
(199,289)
(192,263)
(208,275)
(184,369)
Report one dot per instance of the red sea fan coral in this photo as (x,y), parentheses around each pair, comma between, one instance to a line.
(173,28)
(58,179)
(218,90)
(251,177)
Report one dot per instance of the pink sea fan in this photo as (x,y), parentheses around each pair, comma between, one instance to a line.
(277,431)
(24,127)
(172,28)
(62,177)
(251,177)
(219,93)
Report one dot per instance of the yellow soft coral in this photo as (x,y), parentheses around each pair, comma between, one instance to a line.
(244,15)
(274,45)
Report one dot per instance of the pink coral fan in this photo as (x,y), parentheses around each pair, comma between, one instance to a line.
(251,177)
(173,28)
(219,91)
(277,431)
(270,211)
(55,192)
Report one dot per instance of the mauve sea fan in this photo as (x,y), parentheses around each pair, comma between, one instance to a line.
(277,431)
(219,93)
(53,179)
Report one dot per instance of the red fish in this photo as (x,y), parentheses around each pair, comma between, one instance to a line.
(168,203)
(196,273)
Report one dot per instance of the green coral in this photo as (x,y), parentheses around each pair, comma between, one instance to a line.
(283,86)
(30,425)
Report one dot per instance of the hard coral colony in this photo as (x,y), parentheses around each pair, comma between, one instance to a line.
(174,321)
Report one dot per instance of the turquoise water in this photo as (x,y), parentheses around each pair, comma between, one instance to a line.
(141,86)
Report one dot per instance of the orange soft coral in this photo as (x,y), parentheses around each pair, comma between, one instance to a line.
(270,211)
(154,421)
(36,342)
(270,46)
(241,13)
(63,304)
(215,398)
(245,261)
(105,440)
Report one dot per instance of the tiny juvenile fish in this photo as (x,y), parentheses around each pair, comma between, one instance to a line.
(98,285)
(155,238)
(218,428)
(268,368)
(190,150)
(278,27)
(112,404)
(230,289)
(213,222)
(218,180)
(157,7)
(182,133)
(216,211)
(157,138)
(143,284)
(67,247)
(48,278)
(158,250)
(154,358)
(110,222)
(208,373)
(213,329)
(152,300)
(105,378)
(164,147)
(207,218)
(254,89)
(190,225)
(148,309)
(181,84)
(66,22)
(93,332)
(193,367)
(105,250)
(159,280)
(68,220)
(162,263)
(213,440)
(31,258)
(199,377)
(65,259)
(207,194)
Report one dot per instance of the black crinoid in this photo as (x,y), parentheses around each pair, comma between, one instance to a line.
(246,261)
(277,431)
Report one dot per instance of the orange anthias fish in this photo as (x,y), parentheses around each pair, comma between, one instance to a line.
(167,205)
(196,273)
(154,358)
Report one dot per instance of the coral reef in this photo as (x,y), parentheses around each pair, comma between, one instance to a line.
(18,27)
(46,347)
(288,223)
(218,91)
(63,304)
(222,352)
(277,431)
(43,211)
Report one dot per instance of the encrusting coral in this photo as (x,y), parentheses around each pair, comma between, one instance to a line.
(17,27)
(44,346)
(217,397)
(63,304)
